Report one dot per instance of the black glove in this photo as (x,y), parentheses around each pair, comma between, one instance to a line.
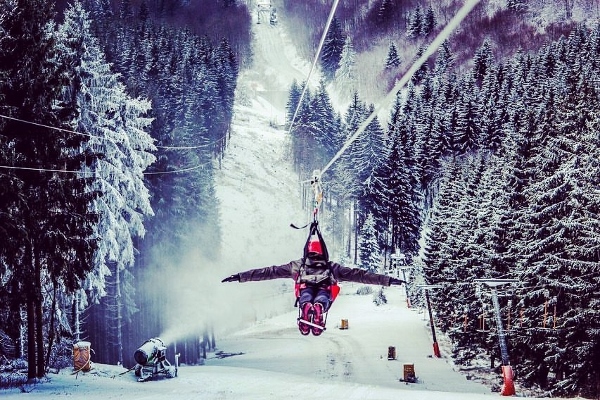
(394,281)
(232,278)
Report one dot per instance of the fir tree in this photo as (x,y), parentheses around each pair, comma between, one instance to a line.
(415,23)
(116,125)
(346,76)
(429,21)
(369,248)
(53,211)
(333,47)
(392,60)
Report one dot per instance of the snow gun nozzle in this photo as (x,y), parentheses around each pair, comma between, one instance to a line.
(149,351)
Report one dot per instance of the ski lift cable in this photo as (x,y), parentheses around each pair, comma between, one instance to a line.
(202,146)
(321,42)
(111,140)
(431,49)
(91,173)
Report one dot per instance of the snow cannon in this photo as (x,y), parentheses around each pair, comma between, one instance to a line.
(151,361)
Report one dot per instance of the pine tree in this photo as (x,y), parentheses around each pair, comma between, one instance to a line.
(293,99)
(392,61)
(53,210)
(444,59)
(467,134)
(368,246)
(415,23)
(331,54)
(403,198)
(429,21)
(346,76)
(116,125)
(483,60)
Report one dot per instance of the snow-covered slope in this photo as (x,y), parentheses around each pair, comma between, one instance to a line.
(271,360)
(261,354)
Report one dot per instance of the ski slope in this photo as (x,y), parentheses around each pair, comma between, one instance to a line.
(271,360)
(260,353)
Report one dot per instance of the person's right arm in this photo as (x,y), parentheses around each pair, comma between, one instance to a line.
(263,274)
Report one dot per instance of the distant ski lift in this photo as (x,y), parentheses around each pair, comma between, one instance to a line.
(263,9)
(273,18)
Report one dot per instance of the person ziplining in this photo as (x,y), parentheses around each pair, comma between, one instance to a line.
(316,281)
(316,277)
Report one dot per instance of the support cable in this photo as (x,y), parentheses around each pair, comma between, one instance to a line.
(431,49)
(327,25)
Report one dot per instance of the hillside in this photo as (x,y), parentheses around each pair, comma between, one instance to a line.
(372,29)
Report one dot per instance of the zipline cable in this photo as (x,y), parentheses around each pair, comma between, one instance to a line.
(327,25)
(431,49)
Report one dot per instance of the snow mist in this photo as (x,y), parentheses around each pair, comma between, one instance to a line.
(195,300)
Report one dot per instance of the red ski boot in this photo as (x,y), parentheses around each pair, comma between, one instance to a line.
(305,315)
(318,319)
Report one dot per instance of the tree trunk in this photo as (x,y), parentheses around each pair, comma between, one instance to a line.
(356,230)
(22,332)
(31,360)
(39,318)
(52,322)
(349,243)
(119,304)
(75,314)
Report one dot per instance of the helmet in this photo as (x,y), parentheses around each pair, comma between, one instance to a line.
(314,246)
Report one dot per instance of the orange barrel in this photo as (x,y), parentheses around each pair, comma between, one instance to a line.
(82,356)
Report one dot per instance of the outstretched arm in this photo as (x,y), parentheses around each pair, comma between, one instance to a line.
(232,278)
(363,276)
(262,274)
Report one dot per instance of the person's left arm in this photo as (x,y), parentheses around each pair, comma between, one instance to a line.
(359,275)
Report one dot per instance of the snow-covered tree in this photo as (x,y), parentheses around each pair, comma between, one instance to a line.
(331,53)
(117,128)
(429,21)
(369,253)
(392,60)
(415,23)
(48,210)
(346,76)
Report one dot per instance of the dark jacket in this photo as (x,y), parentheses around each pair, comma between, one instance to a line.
(292,269)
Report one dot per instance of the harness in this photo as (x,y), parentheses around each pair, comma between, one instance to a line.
(316,273)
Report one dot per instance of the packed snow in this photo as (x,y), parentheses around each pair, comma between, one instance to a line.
(270,359)
(260,353)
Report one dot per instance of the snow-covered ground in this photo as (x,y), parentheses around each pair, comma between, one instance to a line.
(260,353)
(271,360)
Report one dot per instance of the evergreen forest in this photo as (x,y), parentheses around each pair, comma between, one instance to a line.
(115,114)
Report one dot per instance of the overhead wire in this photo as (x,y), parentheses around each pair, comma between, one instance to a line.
(431,49)
(203,146)
(319,48)
(200,146)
